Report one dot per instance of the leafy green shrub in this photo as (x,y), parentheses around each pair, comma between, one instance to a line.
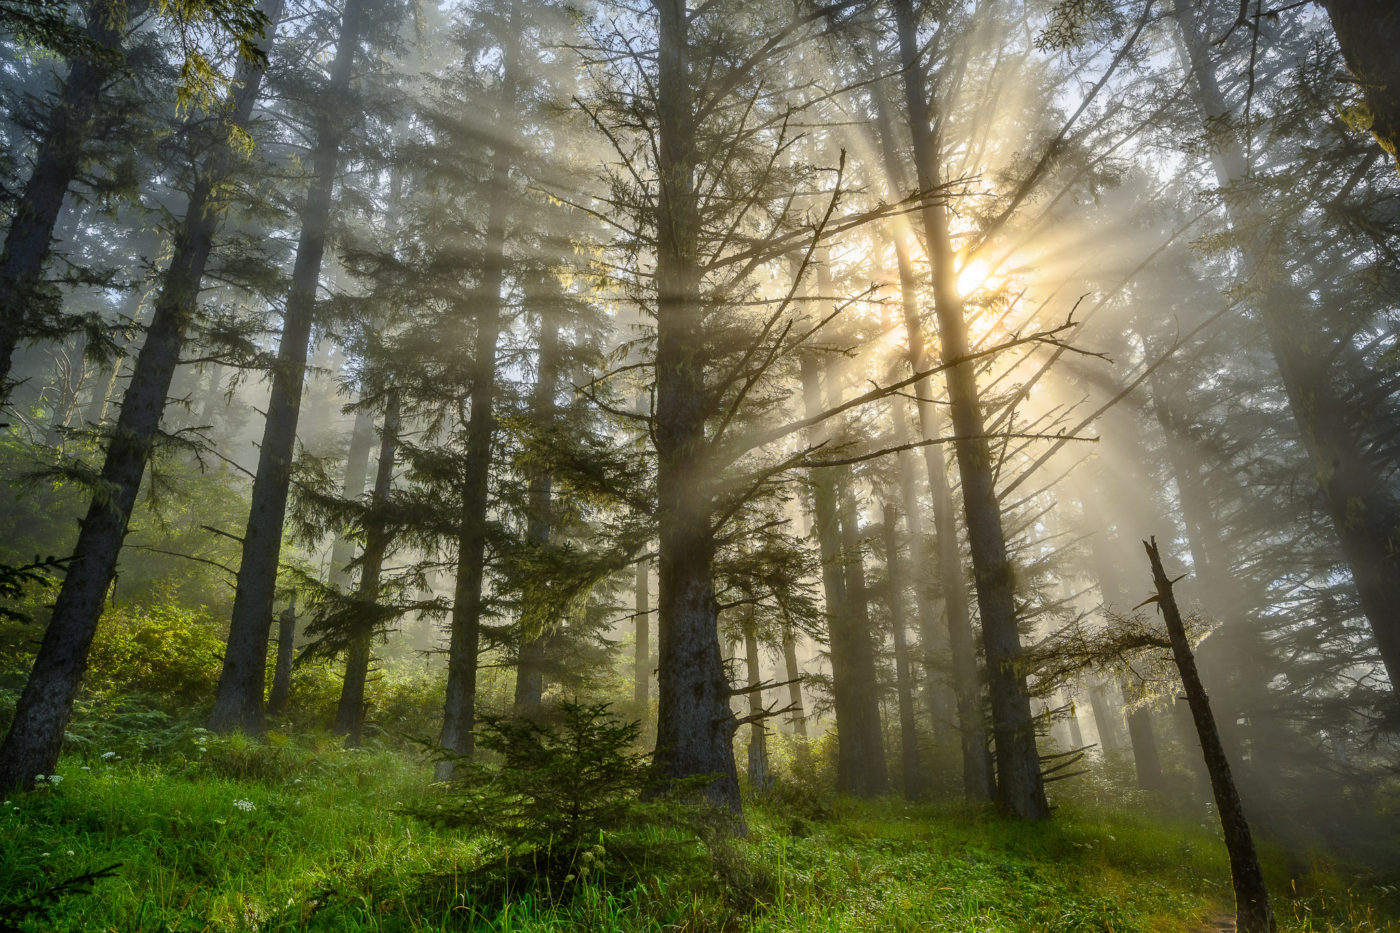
(162,651)
(406,703)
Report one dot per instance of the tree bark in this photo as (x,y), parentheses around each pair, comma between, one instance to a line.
(238,703)
(29,239)
(1020,789)
(350,712)
(908,732)
(695,726)
(1252,911)
(36,734)
(1368,32)
(282,673)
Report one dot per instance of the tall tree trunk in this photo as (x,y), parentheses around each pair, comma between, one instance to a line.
(238,703)
(855,640)
(798,717)
(356,474)
(695,726)
(1369,33)
(1147,763)
(852,754)
(350,712)
(908,732)
(1141,735)
(282,672)
(938,696)
(760,779)
(29,239)
(213,396)
(1365,514)
(1105,719)
(641,657)
(529,672)
(1252,911)
(464,644)
(1020,789)
(979,783)
(36,733)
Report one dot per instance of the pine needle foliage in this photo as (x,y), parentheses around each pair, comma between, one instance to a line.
(562,781)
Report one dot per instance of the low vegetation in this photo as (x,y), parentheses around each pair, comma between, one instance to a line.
(202,832)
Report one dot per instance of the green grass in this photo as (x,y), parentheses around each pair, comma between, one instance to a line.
(320,844)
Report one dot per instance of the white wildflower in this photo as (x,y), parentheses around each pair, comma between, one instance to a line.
(108,756)
(247,806)
(70,851)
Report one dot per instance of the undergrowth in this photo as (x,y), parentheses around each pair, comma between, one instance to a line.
(299,835)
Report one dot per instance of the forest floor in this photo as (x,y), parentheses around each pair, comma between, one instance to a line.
(237,837)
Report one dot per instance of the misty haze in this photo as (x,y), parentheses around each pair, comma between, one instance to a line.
(700,465)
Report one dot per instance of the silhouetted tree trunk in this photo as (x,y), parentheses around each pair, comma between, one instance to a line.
(1369,33)
(695,727)
(759,777)
(798,717)
(904,679)
(1104,719)
(1252,911)
(69,125)
(1020,790)
(852,722)
(459,708)
(1141,736)
(1147,763)
(938,695)
(350,712)
(282,672)
(979,782)
(213,396)
(855,640)
(529,676)
(641,658)
(238,704)
(36,733)
(356,473)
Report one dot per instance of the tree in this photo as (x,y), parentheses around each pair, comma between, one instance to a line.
(35,737)
(1019,786)
(239,703)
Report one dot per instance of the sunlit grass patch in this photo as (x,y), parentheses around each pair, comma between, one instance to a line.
(327,847)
